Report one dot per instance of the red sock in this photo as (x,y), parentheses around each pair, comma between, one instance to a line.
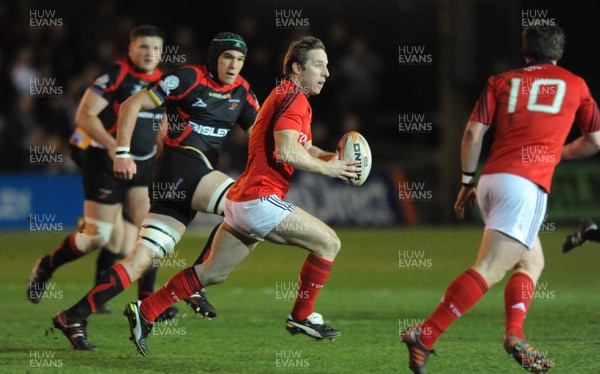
(313,275)
(462,294)
(517,297)
(183,284)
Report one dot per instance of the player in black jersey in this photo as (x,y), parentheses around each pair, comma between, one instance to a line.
(203,103)
(105,194)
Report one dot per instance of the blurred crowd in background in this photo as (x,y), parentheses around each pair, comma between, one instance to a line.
(67,58)
(368,89)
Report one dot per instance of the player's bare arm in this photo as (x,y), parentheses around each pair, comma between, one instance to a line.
(87,119)
(318,152)
(585,146)
(290,151)
(470,152)
(124,167)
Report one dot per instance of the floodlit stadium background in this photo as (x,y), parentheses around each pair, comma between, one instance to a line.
(403,73)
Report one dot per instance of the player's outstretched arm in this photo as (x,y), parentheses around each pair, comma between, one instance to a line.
(291,152)
(124,167)
(87,119)
(585,146)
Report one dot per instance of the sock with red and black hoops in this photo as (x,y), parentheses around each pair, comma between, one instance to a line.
(517,296)
(461,295)
(313,276)
(182,285)
(207,247)
(146,283)
(65,252)
(112,283)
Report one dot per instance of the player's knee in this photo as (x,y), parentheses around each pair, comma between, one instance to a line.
(331,246)
(211,277)
(158,237)
(216,204)
(96,235)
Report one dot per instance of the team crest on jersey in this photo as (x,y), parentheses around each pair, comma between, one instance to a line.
(169,83)
(102,81)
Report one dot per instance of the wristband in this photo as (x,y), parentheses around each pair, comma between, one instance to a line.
(468,179)
(123,155)
(122,149)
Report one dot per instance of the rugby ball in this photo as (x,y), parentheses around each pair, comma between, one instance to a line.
(353,146)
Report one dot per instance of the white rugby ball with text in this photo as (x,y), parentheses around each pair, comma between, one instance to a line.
(353,146)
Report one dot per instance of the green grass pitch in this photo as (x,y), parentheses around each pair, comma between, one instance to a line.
(382,280)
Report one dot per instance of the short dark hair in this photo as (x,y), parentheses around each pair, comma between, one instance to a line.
(298,52)
(543,42)
(146,30)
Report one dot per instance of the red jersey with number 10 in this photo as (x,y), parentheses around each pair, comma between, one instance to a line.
(286,108)
(534,108)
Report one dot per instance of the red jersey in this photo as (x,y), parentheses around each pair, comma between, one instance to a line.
(286,108)
(534,108)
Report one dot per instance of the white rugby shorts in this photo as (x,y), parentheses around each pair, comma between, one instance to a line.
(256,218)
(513,205)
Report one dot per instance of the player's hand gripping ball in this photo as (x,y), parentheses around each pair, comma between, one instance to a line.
(353,146)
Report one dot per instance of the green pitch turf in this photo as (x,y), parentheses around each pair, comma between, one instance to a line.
(382,280)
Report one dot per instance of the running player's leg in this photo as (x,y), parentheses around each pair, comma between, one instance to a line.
(520,289)
(109,254)
(301,229)
(98,227)
(209,197)
(518,294)
(102,202)
(111,251)
(229,249)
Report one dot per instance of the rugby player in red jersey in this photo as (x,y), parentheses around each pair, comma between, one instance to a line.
(105,195)
(280,142)
(533,108)
(203,103)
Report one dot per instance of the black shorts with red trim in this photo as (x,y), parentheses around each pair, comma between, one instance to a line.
(176,177)
(99,181)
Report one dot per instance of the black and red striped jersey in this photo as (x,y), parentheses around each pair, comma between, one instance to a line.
(116,84)
(200,111)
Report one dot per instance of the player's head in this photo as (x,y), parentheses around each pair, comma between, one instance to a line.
(543,43)
(226,55)
(306,63)
(145,47)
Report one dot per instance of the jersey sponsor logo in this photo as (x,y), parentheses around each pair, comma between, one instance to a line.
(102,81)
(200,103)
(209,130)
(219,95)
(169,83)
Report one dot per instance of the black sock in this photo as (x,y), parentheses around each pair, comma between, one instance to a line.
(593,235)
(106,259)
(146,283)
(112,283)
(65,252)
(206,250)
